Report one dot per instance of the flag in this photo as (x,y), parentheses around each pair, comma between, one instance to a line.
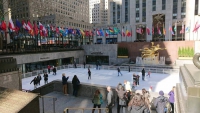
(139,30)
(82,32)
(148,31)
(101,32)
(78,32)
(98,33)
(187,29)
(164,31)
(111,30)
(29,26)
(175,26)
(153,30)
(158,30)
(11,25)
(24,25)
(170,29)
(66,31)
(107,32)
(3,25)
(123,34)
(196,27)
(18,25)
(182,30)
(35,28)
(128,33)
(116,30)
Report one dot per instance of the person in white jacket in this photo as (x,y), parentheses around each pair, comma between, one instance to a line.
(127,85)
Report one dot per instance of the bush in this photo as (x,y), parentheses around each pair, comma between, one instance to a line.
(185,52)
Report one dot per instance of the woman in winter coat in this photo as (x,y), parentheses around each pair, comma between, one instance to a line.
(97,100)
(160,102)
(121,102)
(137,105)
(145,97)
(76,83)
(171,98)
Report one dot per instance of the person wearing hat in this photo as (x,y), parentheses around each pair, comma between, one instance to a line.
(160,102)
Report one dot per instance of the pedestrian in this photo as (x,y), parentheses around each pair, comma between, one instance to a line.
(134,80)
(89,74)
(34,82)
(97,100)
(171,98)
(75,64)
(149,73)
(121,101)
(64,82)
(54,70)
(99,65)
(160,103)
(127,85)
(137,80)
(84,64)
(143,74)
(136,104)
(39,78)
(129,68)
(96,65)
(76,84)
(119,72)
(49,68)
(45,78)
(110,99)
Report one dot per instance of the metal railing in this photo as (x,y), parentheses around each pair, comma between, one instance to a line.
(105,67)
(54,99)
(66,110)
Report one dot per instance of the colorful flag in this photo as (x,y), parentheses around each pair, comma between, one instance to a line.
(11,25)
(187,29)
(158,30)
(196,27)
(24,25)
(111,30)
(29,26)
(153,30)
(175,26)
(3,25)
(128,34)
(170,29)
(101,32)
(182,30)
(35,28)
(164,31)
(18,25)
(139,30)
(148,31)
(123,34)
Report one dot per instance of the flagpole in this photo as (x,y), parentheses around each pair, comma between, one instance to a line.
(176,29)
(169,31)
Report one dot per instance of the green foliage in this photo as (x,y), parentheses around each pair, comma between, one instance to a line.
(185,52)
(122,52)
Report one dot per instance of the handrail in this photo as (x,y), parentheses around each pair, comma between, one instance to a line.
(54,99)
(66,110)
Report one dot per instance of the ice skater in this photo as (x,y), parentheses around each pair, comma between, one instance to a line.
(45,78)
(119,72)
(148,74)
(39,78)
(143,74)
(137,80)
(35,81)
(54,70)
(89,74)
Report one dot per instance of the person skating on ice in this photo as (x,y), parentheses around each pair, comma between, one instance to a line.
(119,72)
(89,74)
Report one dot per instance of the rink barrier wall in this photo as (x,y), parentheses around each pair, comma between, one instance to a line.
(105,67)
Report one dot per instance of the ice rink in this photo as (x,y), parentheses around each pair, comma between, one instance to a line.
(110,78)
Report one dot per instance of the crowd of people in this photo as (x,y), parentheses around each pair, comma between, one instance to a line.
(128,99)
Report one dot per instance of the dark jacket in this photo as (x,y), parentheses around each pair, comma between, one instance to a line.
(39,78)
(118,69)
(64,80)
(75,82)
(54,69)
(35,81)
(45,76)
(143,72)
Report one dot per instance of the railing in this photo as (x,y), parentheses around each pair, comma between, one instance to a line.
(105,67)
(66,110)
(54,99)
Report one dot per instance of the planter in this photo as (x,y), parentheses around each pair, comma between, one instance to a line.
(122,56)
(185,58)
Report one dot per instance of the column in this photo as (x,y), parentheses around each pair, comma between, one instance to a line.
(149,19)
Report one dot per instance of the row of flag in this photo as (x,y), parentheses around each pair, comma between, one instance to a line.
(45,31)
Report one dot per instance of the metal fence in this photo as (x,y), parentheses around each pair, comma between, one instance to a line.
(105,67)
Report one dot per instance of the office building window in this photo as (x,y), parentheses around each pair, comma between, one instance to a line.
(126,11)
(175,5)
(196,7)
(183,8)
(143,10)
(137,13)
(163,4)
(137,4)
(153,5)
(118,13)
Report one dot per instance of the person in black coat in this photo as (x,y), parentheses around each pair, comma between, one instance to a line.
(89,74)
(76,83)
(84,64)
(143,74)
(39,78)
(54,70)
(34,82)
(64,82)
(45,78)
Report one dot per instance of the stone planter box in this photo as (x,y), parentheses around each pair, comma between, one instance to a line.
(185,58)
(122,56)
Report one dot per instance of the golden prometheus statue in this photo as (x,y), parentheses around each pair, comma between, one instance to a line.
(152,51)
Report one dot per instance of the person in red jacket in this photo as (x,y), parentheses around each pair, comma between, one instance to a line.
(49,68)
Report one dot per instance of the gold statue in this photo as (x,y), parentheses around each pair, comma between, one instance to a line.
(152,51)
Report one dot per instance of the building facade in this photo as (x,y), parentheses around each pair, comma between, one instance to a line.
(165,20)
(68,13)
(99,11)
